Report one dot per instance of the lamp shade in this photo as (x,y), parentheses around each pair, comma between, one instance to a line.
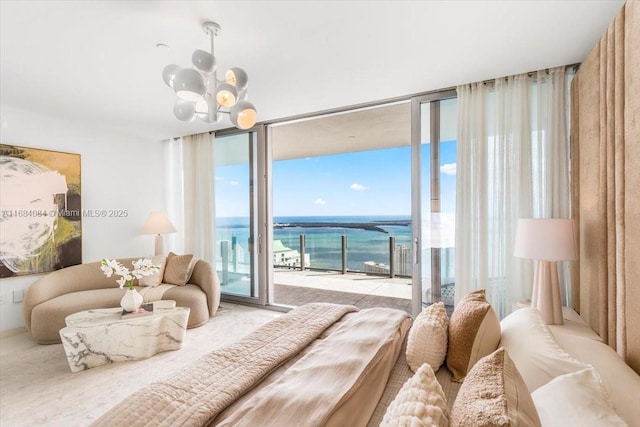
(243,115)
(238,77)
(157,223)
(549,239)
(226,94)
(188,84)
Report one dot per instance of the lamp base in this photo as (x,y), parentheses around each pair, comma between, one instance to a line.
(546,293)
(159,244)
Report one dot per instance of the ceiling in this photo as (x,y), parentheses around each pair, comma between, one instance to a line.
(97,62)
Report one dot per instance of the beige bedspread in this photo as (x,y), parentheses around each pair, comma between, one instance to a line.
(306,394)
(197,394)
(336,382)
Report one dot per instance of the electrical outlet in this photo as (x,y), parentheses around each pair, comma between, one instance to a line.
(18,295)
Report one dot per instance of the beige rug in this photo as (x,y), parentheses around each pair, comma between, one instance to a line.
(38,389)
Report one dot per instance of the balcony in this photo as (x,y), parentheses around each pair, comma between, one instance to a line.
(298,279)
(295,287)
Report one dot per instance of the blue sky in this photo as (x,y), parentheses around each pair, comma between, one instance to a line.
(376,182)
(363,183)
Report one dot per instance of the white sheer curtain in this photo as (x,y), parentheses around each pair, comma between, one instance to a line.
(512,162)
(175,193)
(191,171)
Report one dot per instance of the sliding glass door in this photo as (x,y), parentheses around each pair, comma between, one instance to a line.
(236,231)
(341,205)
(434,121)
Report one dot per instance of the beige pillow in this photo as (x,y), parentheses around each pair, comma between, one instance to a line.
(579,399)
(156,278)
(178,269)
(427,340)
(534,349)
(474,332)
(494,394)
(420,402)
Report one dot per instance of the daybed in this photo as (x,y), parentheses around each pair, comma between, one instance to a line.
(334,365)
(82,287)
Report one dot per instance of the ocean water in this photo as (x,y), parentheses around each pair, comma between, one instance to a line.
(324,244)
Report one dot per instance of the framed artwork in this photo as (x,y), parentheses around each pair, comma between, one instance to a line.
(40,213)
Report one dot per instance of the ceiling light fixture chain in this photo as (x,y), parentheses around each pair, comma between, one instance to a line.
(201,94)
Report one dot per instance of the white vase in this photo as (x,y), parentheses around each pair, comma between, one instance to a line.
(131,300)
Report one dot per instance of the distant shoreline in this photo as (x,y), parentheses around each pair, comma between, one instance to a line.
(369,226)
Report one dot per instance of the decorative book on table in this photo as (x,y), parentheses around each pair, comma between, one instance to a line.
(144,310)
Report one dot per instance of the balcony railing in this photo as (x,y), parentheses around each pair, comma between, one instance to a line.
(398,261)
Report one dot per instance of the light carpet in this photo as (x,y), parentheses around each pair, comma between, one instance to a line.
(38,388)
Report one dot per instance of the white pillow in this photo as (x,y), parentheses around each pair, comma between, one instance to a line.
(578,399)
(420,402)
(427,340)
(534,350)
(156,278)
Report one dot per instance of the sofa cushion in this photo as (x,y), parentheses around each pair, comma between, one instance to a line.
(190,296)
(47,318)
(178,269)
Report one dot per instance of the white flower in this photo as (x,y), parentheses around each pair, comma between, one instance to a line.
(121,281)
(109,267)
(141,267)
(144,267)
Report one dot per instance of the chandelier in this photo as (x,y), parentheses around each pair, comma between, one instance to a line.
(201,94)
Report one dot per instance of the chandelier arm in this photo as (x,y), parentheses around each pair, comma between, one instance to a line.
(212,34)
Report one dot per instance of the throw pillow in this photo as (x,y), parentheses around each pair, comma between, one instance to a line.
(578,399)
(156,278)
(427,339)
(420,402)
(474,332)
(494,394)
(178,269)
(534,349)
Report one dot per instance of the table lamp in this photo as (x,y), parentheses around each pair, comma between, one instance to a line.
(157,223)
(547,241)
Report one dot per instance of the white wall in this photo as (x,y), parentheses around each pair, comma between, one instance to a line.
(118,172)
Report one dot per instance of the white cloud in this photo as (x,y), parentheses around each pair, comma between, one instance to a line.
(319,202)
(234,183)
(448,169)
(357,187)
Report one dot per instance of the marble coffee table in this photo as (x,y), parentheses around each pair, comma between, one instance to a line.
(97,337)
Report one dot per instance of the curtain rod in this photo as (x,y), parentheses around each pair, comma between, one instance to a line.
(572,67)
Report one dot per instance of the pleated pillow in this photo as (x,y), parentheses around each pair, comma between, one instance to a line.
(474,332)
(420,402)
(178,269)
(427,340)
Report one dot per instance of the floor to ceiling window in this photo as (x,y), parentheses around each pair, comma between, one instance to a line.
(341,203)
(235,205)
(344,203)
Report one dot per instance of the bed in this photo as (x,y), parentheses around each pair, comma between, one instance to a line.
(320,364)
(334,365)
